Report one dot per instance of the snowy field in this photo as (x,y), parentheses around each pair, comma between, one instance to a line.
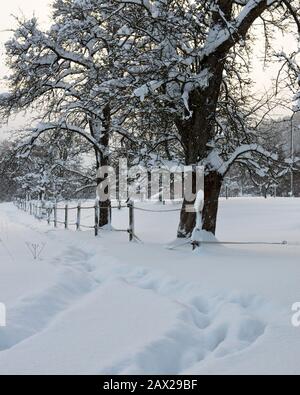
(103,305)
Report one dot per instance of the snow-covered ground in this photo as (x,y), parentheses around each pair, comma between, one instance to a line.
(103,305)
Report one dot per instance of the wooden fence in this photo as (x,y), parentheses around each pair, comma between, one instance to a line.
(49,211)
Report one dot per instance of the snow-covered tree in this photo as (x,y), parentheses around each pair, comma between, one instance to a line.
(70,74)
(51,169)
(191,61)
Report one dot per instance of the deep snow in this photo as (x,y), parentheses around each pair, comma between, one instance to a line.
(103,305)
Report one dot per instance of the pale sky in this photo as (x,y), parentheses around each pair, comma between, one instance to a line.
(8,8)
(28,8)
(40,8)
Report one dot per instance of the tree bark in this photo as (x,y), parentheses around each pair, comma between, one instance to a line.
(196,133)
(100,129)
(212,188)
(104,213)
(197,130)
(187,221)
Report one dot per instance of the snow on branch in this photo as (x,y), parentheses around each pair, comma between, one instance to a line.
(216,163)
(63,126)
(224,38)
(152,7)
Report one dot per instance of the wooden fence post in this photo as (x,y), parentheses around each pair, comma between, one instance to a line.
(40,211)
(160,189)
(55,215)
(49,210)
(96,218)
(66,216)
(78,216)
(131,220)
(149,186)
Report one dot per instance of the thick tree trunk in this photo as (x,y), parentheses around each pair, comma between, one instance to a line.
(197,130)
(187,221)
(100,131)
(104,204)
(212,188)
(196,133)
(104,213)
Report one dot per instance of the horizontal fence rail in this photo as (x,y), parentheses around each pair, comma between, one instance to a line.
(48,211)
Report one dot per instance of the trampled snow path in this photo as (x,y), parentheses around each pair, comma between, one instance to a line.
(96,312)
